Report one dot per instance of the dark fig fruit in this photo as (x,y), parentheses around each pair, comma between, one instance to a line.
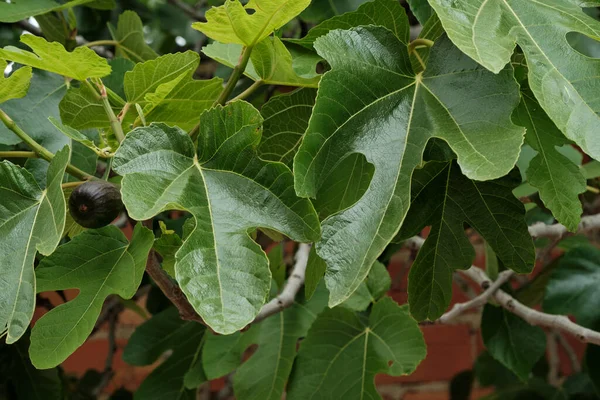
(95,204)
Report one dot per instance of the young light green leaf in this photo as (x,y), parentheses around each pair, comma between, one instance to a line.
(387,13)
(146,77)
(512,341)
(81,108)
(265,374)
(558,180)
(274,65)
(371,289)
(572,288)
(339,341)
(30,219)
(17,10)
(251,23)
(129,35)
(271,62)
(97,262)
(388,117)
(80,64)
(16,85)
(564,81)
(445,199)
(229,191)
(166,331)
(286,119)
(181,101)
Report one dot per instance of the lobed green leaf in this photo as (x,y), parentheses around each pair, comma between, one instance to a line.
(31,219)
(81,64)
(564,81)
(251,23)
(230,192)
(388,115)
(98,263)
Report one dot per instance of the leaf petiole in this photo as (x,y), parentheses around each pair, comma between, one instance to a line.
(248,92)
(235,76)
(18,154)
(40,150)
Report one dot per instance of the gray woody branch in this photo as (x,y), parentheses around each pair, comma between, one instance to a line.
(294,283)
(491,289)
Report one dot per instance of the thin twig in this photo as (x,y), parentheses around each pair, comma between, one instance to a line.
(40,150)
(108,372)
(558,231)
(482,299)
(553,359)
(171,290)
(287,296)
(534,317)
(562,340)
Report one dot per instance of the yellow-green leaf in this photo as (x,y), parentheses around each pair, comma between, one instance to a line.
(80,64)
(16,85)
(247,25)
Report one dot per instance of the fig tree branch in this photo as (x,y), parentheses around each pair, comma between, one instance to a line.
(171,290)
(534,317)
(489,289)
(294,283)
(558,231)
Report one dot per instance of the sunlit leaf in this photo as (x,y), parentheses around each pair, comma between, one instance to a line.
(565,82)
(270,62)
(98,263)
(230,192)
(388,114)
(31,219)
(80,64)
(16,85)
(248,24)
